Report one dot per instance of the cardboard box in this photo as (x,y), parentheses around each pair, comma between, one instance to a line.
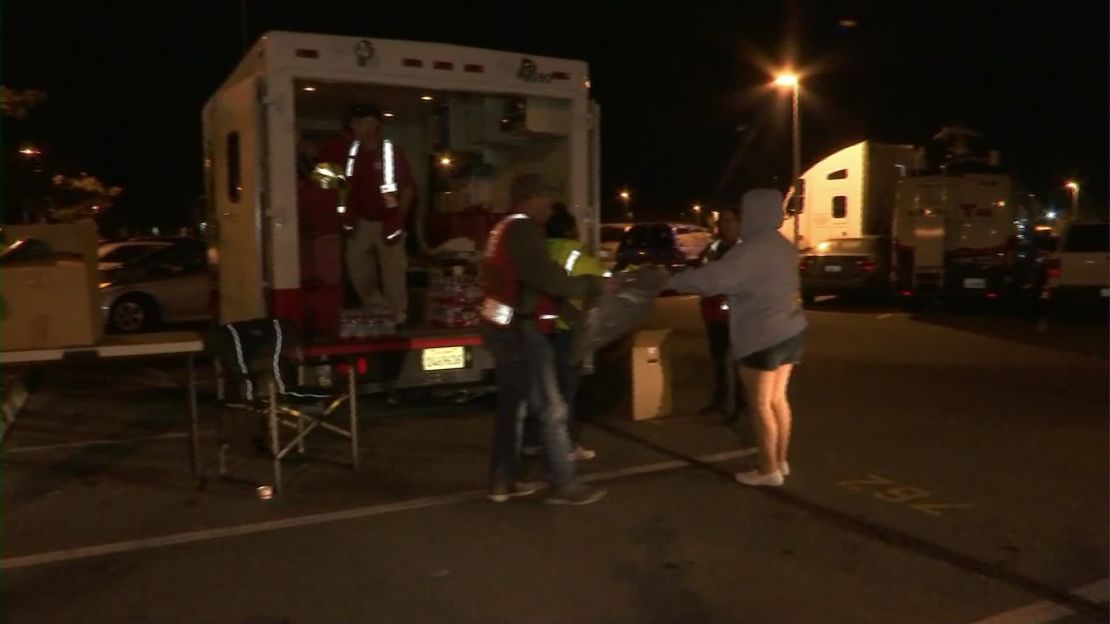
(48,304)
(51,303)
(651,374)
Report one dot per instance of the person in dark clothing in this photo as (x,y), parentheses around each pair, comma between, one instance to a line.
(728,397)
(522,287)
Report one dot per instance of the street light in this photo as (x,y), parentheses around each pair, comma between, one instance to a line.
(1073,186)
(30,151)
(626,198)
(697,213)
(791,81)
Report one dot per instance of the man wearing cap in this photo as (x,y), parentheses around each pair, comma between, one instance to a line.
(378,193)
(523,287)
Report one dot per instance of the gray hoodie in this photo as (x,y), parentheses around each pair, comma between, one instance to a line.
(759,275)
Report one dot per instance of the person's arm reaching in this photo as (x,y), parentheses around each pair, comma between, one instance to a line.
(715,278)
(528,249)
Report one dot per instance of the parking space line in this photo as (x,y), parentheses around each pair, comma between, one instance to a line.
(105,441)
(1044,611)
(188,537)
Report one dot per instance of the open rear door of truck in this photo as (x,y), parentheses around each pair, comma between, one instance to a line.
(234,126)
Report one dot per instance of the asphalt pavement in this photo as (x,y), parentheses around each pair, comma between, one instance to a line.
(948,466)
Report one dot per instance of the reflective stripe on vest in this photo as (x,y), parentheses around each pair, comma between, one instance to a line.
(572,259)
(496,312)
(389,181)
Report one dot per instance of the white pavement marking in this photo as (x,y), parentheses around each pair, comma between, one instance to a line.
(26,561)
(106,441)
(884,316)
(1045,611)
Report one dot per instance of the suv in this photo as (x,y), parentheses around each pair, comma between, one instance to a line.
(1079,271)
(651,243)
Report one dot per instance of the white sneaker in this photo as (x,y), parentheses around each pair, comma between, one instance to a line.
(754,478)
(581,453)
(785,469)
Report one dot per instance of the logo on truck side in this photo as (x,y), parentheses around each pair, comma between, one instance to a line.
(529,72)
(364,51)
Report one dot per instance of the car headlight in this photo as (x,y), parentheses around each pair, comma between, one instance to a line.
(104,285)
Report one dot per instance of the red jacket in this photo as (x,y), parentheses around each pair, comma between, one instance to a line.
(507,296)
(715,309)
(364,195)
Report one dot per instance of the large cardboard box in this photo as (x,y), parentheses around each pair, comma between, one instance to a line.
(53,302)
(651,374)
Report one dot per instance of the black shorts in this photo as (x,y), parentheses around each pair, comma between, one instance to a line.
(788,351)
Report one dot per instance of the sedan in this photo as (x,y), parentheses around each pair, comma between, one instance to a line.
(845,266)
(168,285)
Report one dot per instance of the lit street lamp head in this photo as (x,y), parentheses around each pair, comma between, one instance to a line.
(787,80)
(625,195)
(1072,186)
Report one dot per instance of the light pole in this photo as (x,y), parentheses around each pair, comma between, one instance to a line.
(1073,186)
(792,82)
(626,198)
(697,214)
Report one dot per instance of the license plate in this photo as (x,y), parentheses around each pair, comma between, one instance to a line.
(834,268)
(444,358)
(975,283)
(1105,292)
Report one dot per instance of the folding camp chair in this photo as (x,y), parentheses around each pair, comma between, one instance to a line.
(251,357)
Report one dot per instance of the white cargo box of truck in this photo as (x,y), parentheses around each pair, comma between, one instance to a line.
(468,120)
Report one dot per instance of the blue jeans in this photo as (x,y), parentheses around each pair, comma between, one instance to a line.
(527,382)
(569,378)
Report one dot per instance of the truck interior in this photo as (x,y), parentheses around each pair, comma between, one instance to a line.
(464,149)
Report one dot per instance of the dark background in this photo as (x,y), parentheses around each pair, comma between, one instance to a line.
(682,86)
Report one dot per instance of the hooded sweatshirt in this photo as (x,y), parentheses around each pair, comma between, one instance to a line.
(759,275)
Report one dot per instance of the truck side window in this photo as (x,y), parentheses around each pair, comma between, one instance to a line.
(841,174)
(234,171)
(839,207)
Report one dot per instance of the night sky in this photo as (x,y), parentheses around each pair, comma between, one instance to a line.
(687,115)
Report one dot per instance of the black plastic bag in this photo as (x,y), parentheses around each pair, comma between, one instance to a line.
(619,312)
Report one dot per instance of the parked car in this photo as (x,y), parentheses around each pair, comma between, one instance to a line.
(845,266)
(692,239)
(611,235)
(167,285)
(114,254)
(651,243)
(1079,270)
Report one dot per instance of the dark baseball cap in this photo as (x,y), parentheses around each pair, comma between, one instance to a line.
(529,185)
(357,111)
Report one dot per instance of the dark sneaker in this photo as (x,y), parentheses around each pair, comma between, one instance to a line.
(500,494)
(577,494)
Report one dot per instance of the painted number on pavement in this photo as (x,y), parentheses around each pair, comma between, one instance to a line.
(890,491)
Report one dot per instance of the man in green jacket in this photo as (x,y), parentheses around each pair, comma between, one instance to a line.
(567,251)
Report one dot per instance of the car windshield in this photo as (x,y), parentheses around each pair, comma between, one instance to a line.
(611,234)
(649,236)
(847,245)
(1088,237)
(128,253)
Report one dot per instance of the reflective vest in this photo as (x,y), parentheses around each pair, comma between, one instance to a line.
(568,253)
(501,282)
(328,172)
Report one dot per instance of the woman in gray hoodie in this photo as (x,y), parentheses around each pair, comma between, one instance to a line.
(759,275)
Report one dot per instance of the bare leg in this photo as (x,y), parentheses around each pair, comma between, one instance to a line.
(780,405)
(760,386)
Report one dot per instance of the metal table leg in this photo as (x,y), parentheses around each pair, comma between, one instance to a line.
(194,418)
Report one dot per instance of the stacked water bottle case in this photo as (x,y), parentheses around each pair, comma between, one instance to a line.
(453,300)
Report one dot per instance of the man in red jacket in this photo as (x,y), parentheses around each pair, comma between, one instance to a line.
(378,193)
(728,397)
